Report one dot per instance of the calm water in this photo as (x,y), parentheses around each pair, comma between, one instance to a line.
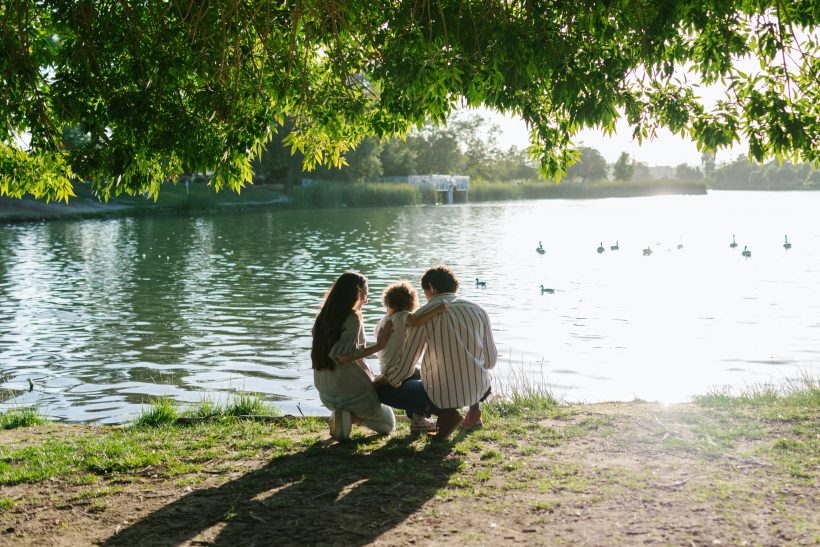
(103,315)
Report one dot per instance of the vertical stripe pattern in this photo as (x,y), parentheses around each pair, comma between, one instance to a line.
(459,352)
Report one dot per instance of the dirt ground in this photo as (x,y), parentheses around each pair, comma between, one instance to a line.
(608,474)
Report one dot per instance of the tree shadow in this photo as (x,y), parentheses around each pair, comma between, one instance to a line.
(326,494)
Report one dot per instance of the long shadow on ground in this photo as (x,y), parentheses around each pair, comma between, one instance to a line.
(324,494)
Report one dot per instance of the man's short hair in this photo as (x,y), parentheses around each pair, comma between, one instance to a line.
(441,278)
(401,296)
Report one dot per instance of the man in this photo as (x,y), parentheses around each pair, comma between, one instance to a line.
(458,354)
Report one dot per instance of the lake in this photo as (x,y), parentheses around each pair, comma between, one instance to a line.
(104,315)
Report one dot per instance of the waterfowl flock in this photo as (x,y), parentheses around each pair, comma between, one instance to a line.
(748,254)
(647,251)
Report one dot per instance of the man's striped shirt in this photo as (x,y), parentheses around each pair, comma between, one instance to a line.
(458,349)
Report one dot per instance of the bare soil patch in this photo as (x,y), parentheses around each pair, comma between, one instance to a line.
(606,474)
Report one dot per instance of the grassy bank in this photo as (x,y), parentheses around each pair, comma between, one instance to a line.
(728,468)
(173,199)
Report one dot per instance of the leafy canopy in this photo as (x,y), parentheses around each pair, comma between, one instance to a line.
(158,86)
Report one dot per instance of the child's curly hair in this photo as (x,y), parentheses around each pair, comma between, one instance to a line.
(401,296)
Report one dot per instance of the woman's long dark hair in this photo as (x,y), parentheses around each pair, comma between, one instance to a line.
(328,326)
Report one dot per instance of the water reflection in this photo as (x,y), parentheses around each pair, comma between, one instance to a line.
(104,314)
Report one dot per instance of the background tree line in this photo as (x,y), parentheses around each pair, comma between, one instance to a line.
(740,174)
(468,145)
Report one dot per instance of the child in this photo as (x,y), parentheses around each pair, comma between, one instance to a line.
(400,300)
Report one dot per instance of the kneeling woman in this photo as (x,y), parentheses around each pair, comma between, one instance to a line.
(340,374)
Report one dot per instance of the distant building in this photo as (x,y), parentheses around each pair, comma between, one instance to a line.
(453,187)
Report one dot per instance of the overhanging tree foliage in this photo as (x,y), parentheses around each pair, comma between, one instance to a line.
(157,84)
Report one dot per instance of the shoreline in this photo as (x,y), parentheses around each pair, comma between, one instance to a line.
(175,199)
(721,469)
(201,198)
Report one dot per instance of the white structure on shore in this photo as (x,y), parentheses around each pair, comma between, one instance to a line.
(453,187)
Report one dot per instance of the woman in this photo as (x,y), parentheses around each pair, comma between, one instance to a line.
(346,387)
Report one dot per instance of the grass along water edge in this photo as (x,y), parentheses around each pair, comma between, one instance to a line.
(791,413)
(726,465)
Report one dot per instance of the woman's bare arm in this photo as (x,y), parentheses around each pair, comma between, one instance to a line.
(367,351)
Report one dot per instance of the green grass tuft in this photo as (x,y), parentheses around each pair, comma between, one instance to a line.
(162,412)
(21,417)
(250,405)
(794,394)
(801,391)
(521,395)
(205,409)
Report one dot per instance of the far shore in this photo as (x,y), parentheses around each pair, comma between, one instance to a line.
(173,199)
(198,197)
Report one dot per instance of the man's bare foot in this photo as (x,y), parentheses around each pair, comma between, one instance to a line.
(448,421)
(472,420)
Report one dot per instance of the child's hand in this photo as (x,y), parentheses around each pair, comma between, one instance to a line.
(345,358)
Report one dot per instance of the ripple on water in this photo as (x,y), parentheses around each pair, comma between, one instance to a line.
(123,310)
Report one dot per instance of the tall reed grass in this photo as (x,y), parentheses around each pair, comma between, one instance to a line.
(518,393)
(801,391)
(325,194)
(497,191)
(336,194)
